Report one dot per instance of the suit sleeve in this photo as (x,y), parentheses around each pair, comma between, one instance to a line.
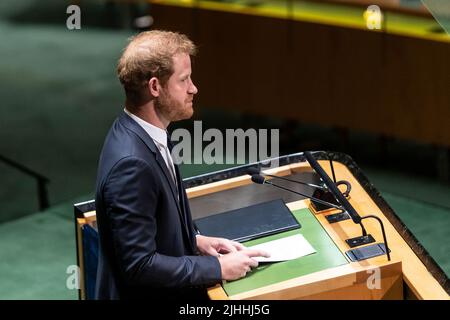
(130,196)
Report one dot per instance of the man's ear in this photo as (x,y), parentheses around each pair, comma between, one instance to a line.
(154,87)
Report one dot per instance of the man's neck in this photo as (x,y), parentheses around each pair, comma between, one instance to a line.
(149,114)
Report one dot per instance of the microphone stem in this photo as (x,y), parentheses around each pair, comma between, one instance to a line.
(382,231)
(306,196)
(294,181)
(364,232)
(332,170)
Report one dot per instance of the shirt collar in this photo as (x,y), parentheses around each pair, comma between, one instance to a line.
(157,134)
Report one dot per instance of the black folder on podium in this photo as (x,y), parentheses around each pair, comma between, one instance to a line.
(250,222)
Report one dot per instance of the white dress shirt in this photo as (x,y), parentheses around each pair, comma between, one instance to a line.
(159,136)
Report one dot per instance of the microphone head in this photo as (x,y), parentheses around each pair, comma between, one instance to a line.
(257,178)
(253,170)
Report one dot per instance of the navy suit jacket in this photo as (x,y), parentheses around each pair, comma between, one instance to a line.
(147,239)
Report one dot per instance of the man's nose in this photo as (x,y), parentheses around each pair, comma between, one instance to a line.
(193,89)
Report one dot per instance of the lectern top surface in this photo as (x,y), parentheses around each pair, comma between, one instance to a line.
(327,256)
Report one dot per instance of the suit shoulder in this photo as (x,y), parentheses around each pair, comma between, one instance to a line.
(129,171)
(123,148)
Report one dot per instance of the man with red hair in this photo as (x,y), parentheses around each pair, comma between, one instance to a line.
(148,246)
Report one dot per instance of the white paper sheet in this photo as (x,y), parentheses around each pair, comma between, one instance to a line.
(284,249)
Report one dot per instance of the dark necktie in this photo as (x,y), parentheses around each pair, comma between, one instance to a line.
(175,167)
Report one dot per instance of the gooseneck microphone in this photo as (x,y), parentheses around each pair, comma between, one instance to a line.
(345,203)
(259,179)
(253,170)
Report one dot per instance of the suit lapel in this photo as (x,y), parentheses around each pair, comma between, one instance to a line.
(185,208)
(162,164)
(180,203)
(138,130)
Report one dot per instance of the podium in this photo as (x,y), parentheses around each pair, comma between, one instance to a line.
(327,274)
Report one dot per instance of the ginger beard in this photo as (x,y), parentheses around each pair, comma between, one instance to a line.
(173,109)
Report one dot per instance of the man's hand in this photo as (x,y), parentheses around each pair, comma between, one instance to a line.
(235,265)
(210,246)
